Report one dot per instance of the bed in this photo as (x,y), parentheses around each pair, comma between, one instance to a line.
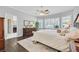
(52,39)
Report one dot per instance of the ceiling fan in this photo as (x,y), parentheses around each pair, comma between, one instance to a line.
(42,11)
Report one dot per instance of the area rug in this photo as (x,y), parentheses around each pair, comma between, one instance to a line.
(34,47)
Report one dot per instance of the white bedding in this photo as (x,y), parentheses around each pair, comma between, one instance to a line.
(52,38)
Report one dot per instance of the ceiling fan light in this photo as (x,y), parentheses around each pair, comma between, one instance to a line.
(42,14)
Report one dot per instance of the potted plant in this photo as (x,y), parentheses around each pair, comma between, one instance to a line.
(56,26)
(37,25)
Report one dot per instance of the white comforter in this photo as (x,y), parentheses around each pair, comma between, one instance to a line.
(52,38)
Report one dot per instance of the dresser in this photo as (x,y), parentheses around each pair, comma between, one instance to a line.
(2,33)
(28,32)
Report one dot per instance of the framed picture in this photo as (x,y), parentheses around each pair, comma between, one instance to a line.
(28,23)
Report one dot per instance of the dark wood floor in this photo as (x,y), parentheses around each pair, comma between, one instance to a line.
(11,45)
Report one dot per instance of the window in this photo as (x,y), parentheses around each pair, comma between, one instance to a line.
(52,23)
(56,22)
(66,20)
(47,23)
(40,24)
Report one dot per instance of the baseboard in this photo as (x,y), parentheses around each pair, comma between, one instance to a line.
(14,37)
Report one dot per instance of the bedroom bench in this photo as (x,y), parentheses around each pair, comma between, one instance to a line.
(32,47)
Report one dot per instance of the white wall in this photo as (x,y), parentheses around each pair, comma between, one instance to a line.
(75,12)
(12,12)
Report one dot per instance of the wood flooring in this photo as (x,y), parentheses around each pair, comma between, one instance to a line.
(11,45)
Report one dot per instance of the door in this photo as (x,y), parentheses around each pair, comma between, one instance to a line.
(1,33)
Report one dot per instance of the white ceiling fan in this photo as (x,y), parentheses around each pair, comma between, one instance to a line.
(42,11)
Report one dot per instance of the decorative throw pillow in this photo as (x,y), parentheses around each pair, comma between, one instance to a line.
(58,31)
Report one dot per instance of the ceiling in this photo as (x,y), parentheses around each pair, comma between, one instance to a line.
(32,10)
